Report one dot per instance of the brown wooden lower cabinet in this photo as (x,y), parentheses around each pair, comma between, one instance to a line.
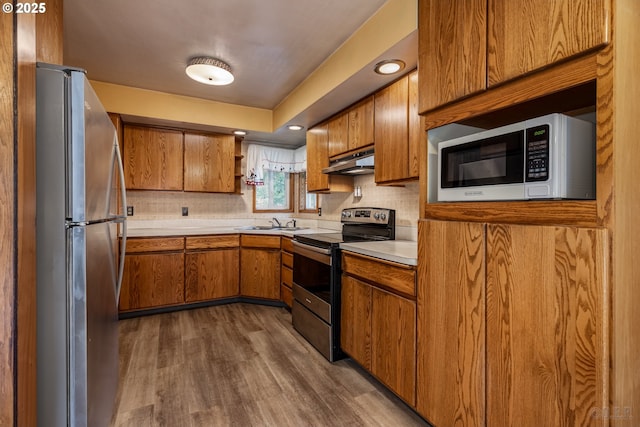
(536,295)
(355,320)
(152,280)
(259,266)
(211,274)
(378,327)
(286,271)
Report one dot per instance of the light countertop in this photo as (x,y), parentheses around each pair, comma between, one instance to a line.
(401,251)
(211,230)
(165,228)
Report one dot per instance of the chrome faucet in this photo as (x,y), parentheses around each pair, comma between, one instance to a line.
(289,222)
(276,222)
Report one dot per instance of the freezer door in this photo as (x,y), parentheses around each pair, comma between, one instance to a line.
(92,151)
(93,324)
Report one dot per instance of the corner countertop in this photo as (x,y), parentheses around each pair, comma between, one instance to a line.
(400,251)
(166,228)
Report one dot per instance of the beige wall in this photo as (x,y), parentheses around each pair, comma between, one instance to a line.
(168,204)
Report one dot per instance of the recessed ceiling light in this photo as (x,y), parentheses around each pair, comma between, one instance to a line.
(294,127)
(391,66)
(240,132)
(210,71)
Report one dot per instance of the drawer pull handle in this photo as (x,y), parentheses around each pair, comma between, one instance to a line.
(308,300)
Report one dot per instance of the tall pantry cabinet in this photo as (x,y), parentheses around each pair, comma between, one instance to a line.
(533,305)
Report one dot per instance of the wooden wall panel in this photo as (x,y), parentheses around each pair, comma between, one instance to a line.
(49,35)
(26,219)
(7,217)
(624,106)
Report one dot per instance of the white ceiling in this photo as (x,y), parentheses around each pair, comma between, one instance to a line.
(271,46)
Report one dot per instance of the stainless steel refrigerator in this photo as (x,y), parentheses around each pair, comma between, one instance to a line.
(79,180)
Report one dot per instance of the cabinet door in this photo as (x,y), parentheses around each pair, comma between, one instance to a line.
(393,343)
(355,320)
(317,159)
(451,50)
(391,132)
(212,274)
(525,35)
(451,324)
(260,273)
(209,163)
(338,134)
(361,124)
(152,158)
(546,329)
(152,280)
(417,132)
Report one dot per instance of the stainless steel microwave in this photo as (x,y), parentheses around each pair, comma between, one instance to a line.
(548,157)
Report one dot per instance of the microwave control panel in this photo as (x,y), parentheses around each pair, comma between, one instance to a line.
(537,153)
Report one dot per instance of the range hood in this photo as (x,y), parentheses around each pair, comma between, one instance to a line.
(360,163)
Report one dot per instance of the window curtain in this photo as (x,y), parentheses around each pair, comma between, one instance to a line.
(262,157)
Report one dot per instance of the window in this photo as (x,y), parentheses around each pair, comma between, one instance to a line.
(276,194)
(307,202)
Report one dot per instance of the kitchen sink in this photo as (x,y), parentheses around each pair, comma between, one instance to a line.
(270,227)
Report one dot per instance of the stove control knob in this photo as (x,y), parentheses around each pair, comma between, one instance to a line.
(346,214)
(383,216)
(376,215)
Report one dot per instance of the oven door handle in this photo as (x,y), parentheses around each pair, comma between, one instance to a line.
(319,254)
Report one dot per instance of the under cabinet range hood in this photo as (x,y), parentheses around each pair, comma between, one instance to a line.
(360,163)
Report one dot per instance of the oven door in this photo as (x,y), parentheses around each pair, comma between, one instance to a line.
(312,269)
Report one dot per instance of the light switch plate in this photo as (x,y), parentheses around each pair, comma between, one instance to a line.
(129,210)
(185,211)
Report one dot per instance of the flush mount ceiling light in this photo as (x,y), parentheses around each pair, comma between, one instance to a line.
(390,66)
(210,71)
(294,127)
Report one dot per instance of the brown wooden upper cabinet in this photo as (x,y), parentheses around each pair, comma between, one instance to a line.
(352,129)
(360,119)
(317,159)
(168,159)
(465,47)
(338,134)
(152,158)
(209,162)
(397,131)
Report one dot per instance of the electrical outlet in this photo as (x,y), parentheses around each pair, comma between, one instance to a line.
(185,211)
(319,211)
(129,210)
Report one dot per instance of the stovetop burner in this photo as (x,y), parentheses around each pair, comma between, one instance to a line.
(358,225)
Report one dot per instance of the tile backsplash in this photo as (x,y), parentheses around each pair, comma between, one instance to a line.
(150,205)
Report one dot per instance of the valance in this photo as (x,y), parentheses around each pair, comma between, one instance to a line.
(262,157)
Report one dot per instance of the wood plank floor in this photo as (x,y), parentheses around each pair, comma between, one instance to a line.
(241,365)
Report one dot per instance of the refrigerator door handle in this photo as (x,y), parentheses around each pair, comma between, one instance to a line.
(123,220)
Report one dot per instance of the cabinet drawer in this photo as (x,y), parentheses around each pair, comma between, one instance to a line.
(390,275)
(286,275)
(287,259)
(213,242)
(286,295)
(287,244)
(155,244)
(253,241)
